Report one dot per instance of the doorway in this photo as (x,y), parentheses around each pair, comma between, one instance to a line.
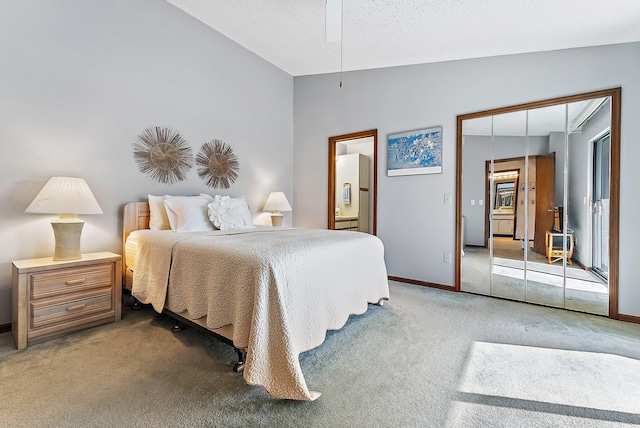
(503,211)
(352,182)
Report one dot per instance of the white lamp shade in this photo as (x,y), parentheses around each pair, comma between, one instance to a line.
(65,195)
(276,202)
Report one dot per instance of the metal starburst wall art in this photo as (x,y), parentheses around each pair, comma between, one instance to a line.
(163,154)
(217,164)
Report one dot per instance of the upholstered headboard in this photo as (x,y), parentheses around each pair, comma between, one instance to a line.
(135,217)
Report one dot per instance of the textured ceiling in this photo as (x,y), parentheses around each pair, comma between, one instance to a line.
(383,33)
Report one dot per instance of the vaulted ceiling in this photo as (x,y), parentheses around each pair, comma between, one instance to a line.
(382,33)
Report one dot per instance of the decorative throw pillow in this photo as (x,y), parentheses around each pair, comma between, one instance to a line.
(228,213)
(188,214)
(158,219)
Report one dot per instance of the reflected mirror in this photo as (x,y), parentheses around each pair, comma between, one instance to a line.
(506,187)
(352,182)
(548,232)
(504,197)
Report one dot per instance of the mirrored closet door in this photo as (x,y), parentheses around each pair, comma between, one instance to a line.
(536,202)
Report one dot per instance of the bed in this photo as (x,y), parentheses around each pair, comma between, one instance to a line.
(272,293)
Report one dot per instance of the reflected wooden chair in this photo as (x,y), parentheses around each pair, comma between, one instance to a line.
(555,248)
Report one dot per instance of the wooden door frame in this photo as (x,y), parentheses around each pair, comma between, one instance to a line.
(487,191)
(614,230)
(331,205)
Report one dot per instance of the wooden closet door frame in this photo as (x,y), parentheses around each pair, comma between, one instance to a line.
(614,229)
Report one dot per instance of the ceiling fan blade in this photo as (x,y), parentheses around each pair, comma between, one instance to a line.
(333,20)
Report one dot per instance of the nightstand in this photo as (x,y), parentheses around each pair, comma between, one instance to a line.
(54,298)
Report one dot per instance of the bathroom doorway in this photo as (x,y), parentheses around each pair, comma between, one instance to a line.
(352,178)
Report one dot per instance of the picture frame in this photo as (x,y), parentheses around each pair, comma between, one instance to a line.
(415,152)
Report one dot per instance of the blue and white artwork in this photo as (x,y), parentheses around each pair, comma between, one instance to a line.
(415,152)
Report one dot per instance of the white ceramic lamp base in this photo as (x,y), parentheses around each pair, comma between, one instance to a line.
(276,219)
(67,230)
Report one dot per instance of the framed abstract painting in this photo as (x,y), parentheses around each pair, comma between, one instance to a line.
(415,152)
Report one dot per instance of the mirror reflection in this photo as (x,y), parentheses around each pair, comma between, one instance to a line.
(505,197)
(504,202)
(542,235)
(504,205)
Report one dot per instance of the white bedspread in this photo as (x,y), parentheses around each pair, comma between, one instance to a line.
(280,288)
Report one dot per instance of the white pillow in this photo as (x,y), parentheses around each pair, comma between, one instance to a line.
(228,213)
(188,214)
(158,219)
(173,215)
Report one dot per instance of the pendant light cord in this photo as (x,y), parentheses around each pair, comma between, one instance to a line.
(341,36)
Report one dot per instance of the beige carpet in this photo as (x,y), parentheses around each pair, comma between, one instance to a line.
(428,358)
(569,382)
(584,292)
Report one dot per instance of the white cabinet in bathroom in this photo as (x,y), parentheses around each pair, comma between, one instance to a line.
(503,224)
(346,223)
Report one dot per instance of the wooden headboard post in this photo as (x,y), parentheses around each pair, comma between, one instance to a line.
(136,217)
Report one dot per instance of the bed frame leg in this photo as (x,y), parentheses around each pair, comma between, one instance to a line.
(242,358)
(136,305)
(177,327)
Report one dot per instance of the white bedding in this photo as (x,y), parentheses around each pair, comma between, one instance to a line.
(280,288)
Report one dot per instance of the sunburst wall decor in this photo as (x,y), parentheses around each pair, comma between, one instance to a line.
(217,164)
(163,154)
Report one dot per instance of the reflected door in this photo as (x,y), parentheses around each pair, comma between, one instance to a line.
(545,267)
(544,186)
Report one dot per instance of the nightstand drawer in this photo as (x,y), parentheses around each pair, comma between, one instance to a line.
(46,312)
(68,280)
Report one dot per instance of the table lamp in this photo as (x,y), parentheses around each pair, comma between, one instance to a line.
(67,197)
(276,203)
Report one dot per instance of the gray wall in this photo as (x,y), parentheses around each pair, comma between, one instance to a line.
(414,223)
(79,80)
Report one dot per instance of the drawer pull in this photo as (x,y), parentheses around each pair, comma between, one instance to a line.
(76,281)
(75,307)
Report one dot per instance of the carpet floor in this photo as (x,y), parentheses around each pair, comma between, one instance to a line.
(544,286)
(428,358)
